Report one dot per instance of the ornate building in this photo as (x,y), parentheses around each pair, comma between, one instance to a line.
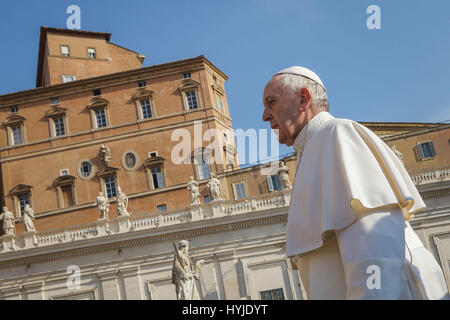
(86,160)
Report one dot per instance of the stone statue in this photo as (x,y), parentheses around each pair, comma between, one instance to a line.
(214,187)
(28,217)
(8,221)
(185,272)
(192,186)
(283,171)
(122,203)
(102,205)
(398,154)
(105,155)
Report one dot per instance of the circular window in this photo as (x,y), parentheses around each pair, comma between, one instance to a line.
(130,160)
(85,169)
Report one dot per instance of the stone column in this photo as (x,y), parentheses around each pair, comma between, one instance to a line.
(110,286)
(35,291)
(11,293)
(233,277)
(131,280)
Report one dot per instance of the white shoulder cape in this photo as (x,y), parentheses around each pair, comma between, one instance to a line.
(345,170)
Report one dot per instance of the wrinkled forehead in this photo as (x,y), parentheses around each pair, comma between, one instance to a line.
(272,89)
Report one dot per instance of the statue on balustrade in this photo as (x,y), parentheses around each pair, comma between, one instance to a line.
(28,217)
(214,187)
(185,272)
(283,171)
(122,203)
(192,186)
(102,205)
(8,221)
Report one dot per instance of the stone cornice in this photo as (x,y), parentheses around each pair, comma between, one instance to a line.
(108,80)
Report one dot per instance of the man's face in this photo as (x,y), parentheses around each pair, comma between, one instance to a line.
(282,110)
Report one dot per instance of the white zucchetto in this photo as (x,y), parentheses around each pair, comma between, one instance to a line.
(302,71)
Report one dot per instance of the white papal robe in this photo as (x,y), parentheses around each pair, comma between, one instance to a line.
(347,227)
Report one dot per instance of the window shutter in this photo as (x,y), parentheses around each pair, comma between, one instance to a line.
(420,151)
(433,151)
(270,183)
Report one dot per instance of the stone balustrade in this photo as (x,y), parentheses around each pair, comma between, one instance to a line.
(151,220)
(438,175)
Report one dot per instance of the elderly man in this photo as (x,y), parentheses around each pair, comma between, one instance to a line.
(347,229)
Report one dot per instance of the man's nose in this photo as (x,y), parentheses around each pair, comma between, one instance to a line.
(266,115)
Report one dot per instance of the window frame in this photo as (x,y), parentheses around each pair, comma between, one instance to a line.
(12,121)
(271,185)
(16,192)
(235,193)
(154,162)
(74,77)
(420,150)
(143,94)
(61,52)
(271,292)
(99,103)
(63,182)
(105,187)
(79,167)
(95,52)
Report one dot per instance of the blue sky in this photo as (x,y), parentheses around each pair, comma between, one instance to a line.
(399,73)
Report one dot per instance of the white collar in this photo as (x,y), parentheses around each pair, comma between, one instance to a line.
(312,126)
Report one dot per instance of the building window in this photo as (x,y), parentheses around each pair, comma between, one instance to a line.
(14,109)
(65,188)
(274,183)
(17,135)
(191,98)
(203,170)
(66,196)
(161,207)
(219,101)
(100,117)
(201,163)
(91,53)
(146,108)
(142,84)
(239,190)
(206,199)
(59,126)
(97,92)
(152,154)
(187,75)
(276,294)
(23,199)
(426,150)
(85,169)
(157,177)
(68,78)
(110,186)
(55,101)
(65,51)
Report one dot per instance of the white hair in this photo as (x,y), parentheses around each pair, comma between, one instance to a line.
(295,83)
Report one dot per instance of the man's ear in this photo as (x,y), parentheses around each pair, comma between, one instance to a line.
(305,99)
